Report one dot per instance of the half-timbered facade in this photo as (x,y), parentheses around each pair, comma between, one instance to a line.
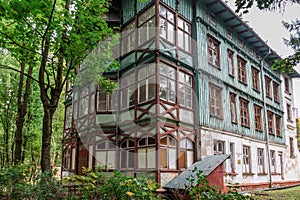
(194,81)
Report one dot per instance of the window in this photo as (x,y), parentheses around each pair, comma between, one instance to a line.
(276,92)
(287,84)
(268,87)
(83,103)
(270,123)
(185,90)
(186,157)
(219,147)
(273,161)
(232,157)
(168,152)
(146,152)
(242,74)
(251,51)
(213,51)
(255,79)
(166,24)
(106,102)
(146,83)
(257,117)
(68,117)
(278,125)
(244,110)
(280,158)
(246,159)
(146,25)
(260,161)
(127,154)
(66,160)
(128,38)
(105,155)
(289,112)
(233,108)
(167,83)
(292,151)
(73,158)
(230,62)
(215,101)
(184,35)
(128,90)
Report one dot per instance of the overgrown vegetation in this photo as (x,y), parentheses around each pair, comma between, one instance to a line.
(18,182)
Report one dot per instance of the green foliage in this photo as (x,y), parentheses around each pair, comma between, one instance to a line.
(15,183)
(112,185)
(199,188)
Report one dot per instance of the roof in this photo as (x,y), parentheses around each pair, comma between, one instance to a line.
(222,11)
(206,165)
(294,74)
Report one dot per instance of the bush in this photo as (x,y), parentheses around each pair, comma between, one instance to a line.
(109,186)
(199,188)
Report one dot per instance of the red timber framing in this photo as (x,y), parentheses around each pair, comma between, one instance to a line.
(154,132)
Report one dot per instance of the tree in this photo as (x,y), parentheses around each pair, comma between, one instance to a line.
(293,27)
(53,36)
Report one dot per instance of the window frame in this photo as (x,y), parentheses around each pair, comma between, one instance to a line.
(148,84)
(217,144)
(247,168)
(268,86)
(233,108)
(289,112)
(273,161)
(258,117)
(244,112)
(213,51)
(168,80)
(150,150)
(255,79)
(167,21)
(129,152)
(260,161)
(214,100)
(242,70)
(187,87)
(107,150)
(186,151)
(276,92)
(230,62)
(146,21)
(270,118)
(278,126)
(287,88)
(168,148)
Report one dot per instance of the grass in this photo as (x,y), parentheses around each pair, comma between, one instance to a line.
(286,194)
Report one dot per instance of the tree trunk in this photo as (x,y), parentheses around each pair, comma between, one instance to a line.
(46,138)
(22,110)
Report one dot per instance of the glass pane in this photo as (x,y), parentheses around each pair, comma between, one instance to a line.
(101,158)
(170,16)
(181,94)
(181,77)
(101,145)
(163,141)
(151,162)
(183,143)
(151,140)
(123,159)
(163,88)
(142,91)
(142,158)
(111,145)
(152,88)
(124,144)
(172,159)
(189,144)
(180,39)
(142,142)
(190,158)
(163,11)
(171,32)
(163,28)
(131,143)
(182,160)
(180,23)
(142,74)
(171,91)
(172,142)
(163,158)
(111,159)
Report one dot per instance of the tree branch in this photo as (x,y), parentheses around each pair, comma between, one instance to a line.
(16,70)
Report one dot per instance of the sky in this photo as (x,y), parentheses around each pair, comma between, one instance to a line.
(268,25)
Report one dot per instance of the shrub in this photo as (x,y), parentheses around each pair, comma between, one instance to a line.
(111,185)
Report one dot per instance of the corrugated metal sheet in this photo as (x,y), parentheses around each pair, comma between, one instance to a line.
(206,166)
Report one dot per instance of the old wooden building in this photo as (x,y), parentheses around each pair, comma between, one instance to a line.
(194,81)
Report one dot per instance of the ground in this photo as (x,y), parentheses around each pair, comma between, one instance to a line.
(292,193)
